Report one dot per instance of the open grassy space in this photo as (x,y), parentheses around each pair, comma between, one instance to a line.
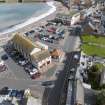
(93,39)
(93,50)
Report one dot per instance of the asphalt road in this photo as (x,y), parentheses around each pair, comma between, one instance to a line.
(55,92)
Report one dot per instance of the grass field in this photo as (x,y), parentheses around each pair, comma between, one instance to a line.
(93,50)
(93,39)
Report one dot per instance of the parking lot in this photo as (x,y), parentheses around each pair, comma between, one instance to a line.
(19,72)
(52,34)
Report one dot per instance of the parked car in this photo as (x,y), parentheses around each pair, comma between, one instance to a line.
(20,94)
(76,56)
(48,83)
(4,57)
(22,62)
(44,39)
(36,75)
(32,72)
(3,68)
(50,40)
(13,93)
(5,91)
(31,31)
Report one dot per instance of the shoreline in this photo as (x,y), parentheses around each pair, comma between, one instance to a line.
(31,20)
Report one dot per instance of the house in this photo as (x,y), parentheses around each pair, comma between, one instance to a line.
(57,54)
(37,54)
(89,28)
(65,19)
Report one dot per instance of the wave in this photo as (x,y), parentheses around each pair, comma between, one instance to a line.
(31,20)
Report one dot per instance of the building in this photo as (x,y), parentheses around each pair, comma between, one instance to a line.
(89,28)
(33,52)
(57,54)
(77,3)
(65,19)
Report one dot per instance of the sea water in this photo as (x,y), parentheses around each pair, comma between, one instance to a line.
(13,14)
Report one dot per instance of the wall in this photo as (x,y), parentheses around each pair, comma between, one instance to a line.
(11,1)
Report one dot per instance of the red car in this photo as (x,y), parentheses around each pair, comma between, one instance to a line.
(36,75)
(3,68)
(51,30)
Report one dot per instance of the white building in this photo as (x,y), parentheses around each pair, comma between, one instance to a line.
(36,53)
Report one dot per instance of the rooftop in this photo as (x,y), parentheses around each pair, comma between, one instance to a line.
(23,41)
(57,52)
(41,55)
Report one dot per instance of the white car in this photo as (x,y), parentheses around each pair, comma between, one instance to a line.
(44,38)
(33,71)
(23,62)
(76,56)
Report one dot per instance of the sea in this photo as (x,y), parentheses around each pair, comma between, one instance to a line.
(13,14)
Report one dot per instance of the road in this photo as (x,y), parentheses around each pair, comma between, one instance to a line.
(55,92)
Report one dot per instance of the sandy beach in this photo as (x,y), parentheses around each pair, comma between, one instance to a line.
(59,9)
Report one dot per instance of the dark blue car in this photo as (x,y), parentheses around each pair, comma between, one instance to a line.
(13,93)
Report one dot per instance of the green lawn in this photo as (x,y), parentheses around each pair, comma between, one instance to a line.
(93,50)
(93,39)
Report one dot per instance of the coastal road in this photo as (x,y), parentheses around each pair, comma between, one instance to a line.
(55,92)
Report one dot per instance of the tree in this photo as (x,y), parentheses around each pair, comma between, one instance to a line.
(100,99)
(94,68)
(94,76)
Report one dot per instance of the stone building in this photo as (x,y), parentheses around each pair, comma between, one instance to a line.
(33,52)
